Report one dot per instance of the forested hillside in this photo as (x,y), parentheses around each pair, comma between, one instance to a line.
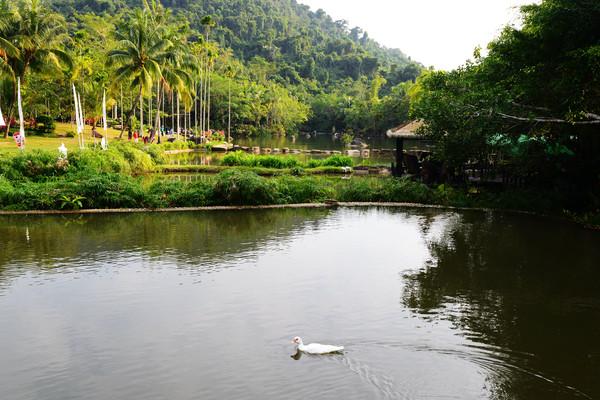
(348,80)
(302,43)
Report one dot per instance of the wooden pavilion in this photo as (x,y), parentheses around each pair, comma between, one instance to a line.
(404,132)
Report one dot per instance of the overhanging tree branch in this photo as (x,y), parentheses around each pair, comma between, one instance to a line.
(595,121)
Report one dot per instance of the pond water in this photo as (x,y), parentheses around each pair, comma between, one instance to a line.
(302,142)
(214,158)
(430,304)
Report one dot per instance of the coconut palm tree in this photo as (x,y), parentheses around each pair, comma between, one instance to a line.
(152,54)
(141,50)
(230,73)
(31,39)
(208,61)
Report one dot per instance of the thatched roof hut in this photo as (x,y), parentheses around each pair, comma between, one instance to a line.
(407,131)
(404,132)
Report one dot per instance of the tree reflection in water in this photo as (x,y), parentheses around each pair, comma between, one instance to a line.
(520,289)
(192,240)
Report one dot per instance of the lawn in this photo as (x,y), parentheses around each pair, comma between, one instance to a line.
(53,142)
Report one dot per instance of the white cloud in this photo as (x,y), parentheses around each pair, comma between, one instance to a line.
(442,33)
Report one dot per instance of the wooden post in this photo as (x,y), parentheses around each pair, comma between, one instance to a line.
(399,170)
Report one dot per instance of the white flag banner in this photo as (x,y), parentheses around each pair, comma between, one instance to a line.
(104,141)
(104,122)
(81,121)
(2,122)
(20,106)
(76,110)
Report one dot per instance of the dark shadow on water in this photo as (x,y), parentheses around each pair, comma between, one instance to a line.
(527,290)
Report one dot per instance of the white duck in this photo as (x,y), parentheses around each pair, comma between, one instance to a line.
(316,348)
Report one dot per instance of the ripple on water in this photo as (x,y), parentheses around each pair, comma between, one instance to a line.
(204,306)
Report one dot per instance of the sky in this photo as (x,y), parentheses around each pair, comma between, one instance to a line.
(439,33)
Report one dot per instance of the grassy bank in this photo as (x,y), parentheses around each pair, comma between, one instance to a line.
(107,179)
(52,142)
(64,134)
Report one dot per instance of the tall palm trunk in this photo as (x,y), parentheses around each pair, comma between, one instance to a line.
(157,121)
(209,87)
(122,115)
(131,112)
(206,124)
(150,111)
(141,113)
(196,106)
(202,93)
(229,114)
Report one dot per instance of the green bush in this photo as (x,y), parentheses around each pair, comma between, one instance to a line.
(7,191)
(384,190)
(138,159)
(45,124)
(156,153)
(99,161)
(295,190)
(337,161)
(109,191)
(165,193)
(241,159)
(236,187)
(36,165)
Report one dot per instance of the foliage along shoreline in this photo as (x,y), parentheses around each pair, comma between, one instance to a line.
(95,179)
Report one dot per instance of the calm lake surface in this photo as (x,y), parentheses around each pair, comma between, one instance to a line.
(430,304)
(302,142)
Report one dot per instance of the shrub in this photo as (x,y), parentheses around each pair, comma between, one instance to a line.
(36,165)
(384,190)
(7,192)
(110,191)
(235,187)
(237,158)
(138,160)
(156,153)
(363,190)
(337,161)
(45,124)
(242,159)
(304,190)
(165,193)
(99,161)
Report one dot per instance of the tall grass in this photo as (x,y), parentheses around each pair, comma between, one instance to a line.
(241,159)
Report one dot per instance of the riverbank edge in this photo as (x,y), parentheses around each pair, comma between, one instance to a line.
(329,205)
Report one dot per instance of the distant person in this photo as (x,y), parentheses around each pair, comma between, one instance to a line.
(95,133)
